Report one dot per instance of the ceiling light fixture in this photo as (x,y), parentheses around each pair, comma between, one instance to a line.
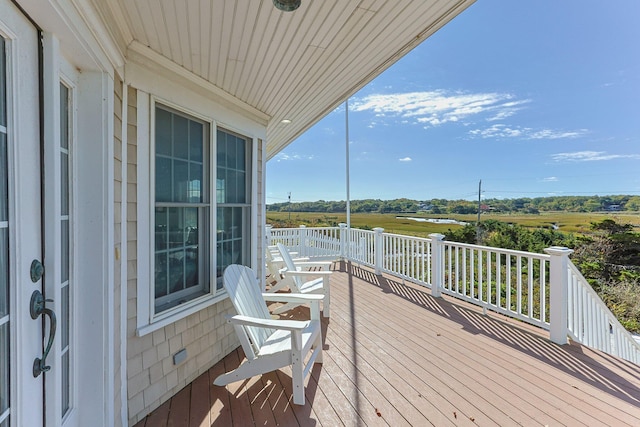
(285,121)
(287,5)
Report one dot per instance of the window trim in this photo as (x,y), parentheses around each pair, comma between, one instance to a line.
(146,321)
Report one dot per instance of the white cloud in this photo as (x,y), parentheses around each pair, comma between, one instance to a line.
(434,108)
(283,157)
(497,131)
(554,134)
(550,179)
(503,131)
(437,107)
(590,156)
(406,159)
(501,115)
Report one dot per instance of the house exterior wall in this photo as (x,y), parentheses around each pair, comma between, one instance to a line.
(151,376)
(123,373)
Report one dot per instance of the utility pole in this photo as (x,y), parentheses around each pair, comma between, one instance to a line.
(479,207)
(289,206)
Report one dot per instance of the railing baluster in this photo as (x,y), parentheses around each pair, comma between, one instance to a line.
(489,270)
(481,277)
(508,285)
(464,271)
(472,271)
(519,285)
(543,290)
(498,280)
(449,270)
(530,283)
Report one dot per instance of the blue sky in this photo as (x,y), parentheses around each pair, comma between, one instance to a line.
(535,98)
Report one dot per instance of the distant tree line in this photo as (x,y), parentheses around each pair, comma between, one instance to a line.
(443,206)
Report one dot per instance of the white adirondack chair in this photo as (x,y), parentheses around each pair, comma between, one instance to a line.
(298,280)
(275,266)
(270,344)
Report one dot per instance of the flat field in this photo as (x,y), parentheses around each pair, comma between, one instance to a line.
(569,222)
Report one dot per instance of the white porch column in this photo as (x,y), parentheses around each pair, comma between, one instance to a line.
(437,263)
(559,288)
(378,249)
(344,239)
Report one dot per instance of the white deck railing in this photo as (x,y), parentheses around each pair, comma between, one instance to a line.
(593,324)
(317,242)
(522,285)
(513,283)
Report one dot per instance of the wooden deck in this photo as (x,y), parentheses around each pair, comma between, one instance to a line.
(396,356)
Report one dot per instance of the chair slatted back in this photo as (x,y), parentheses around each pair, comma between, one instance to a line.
(288,262)
(243,288)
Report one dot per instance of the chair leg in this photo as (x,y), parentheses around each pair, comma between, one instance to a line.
(326,302)
(317,346)
(297,369)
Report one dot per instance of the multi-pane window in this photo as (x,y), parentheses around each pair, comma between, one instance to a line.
(184,237)
(233,200)
(182,208)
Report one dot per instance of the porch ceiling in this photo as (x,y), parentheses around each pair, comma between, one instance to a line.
(289,65)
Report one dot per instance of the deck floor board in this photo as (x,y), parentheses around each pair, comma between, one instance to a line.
(393,355)
(468,364)
(506,374)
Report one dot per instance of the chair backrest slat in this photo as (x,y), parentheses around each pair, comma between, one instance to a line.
(243,288)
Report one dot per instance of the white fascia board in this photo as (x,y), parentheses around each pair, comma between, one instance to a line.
(101,32)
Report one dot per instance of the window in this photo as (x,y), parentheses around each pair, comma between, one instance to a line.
(183,240)
(182,209)
(233,199)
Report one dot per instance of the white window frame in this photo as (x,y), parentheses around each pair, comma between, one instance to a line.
(201,231)
(146,320)
(247,250)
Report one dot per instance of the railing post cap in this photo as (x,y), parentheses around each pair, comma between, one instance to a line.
(268,226)
(303,226)
(342,225)
(558,250)
(437,236)
(378,229)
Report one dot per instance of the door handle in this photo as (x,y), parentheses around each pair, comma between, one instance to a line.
(36,308)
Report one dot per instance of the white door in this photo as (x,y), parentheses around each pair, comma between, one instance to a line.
(22,339)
